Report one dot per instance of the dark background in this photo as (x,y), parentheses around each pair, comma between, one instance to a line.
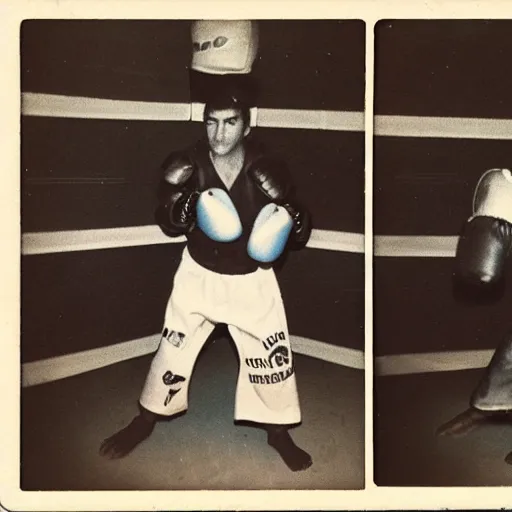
(443,68)
(85,174)
(424,186)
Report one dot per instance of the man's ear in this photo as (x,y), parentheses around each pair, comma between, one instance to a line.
(247,130)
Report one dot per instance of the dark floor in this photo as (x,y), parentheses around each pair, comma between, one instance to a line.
(409,409)
(64,422)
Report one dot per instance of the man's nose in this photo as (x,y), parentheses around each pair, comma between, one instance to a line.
(219,134)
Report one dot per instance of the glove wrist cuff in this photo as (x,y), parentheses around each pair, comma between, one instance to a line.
(187,209)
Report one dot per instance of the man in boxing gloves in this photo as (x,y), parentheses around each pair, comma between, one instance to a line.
(481,258)
(237,209)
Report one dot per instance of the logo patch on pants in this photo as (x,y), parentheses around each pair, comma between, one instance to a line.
(174,337)
(280,356)
(171,379)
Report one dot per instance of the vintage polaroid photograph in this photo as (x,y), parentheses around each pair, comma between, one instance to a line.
(443,237)
(257,255)
(192,254)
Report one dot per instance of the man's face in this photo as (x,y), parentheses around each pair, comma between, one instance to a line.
(225,130)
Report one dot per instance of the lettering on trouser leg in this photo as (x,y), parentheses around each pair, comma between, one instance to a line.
(272,378)
(257,362)
(171,379)
(269,342)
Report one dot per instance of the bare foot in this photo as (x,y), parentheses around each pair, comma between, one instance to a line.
(293,456)
(464,423)
(123,442)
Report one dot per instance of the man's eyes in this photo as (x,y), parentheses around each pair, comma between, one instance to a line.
(232,121)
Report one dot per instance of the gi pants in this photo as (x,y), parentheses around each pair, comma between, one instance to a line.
(252,307)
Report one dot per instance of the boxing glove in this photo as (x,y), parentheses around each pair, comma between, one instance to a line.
(217,216)
(177,195)
(486,239)
(269,233)
(273,179)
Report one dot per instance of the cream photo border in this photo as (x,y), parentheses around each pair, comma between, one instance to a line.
(12,13)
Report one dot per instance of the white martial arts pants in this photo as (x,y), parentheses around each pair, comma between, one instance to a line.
(252,307)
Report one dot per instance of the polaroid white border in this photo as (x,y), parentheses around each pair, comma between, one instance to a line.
(372,498)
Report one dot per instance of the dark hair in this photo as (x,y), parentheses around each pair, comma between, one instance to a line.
(225,102)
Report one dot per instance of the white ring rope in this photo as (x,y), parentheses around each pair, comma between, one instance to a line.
(415,246)
(443,127)
(133,236)
(54,105)
(407,364)
(112,238)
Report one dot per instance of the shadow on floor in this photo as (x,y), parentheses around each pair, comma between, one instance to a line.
(64,422)
(409,409)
